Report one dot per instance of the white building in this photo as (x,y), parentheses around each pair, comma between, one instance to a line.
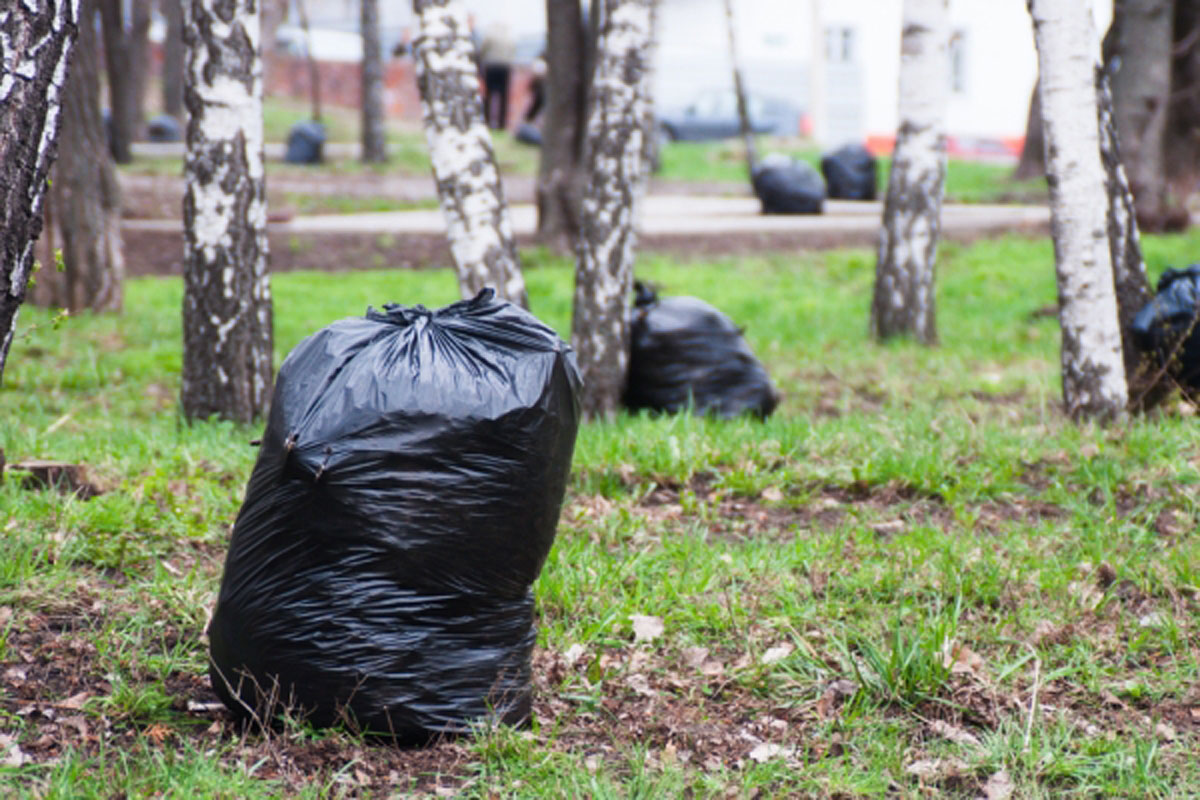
(836,60)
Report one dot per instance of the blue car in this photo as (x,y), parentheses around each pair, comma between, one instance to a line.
(713,115)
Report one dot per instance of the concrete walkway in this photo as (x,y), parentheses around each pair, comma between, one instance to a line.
(679,215)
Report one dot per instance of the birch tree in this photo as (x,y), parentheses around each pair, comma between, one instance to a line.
(1093,373)
(83,216)
(127,60)
(227,326)
(613,155)
(464,164)
(36,40)
(374,135)
(173,57)
(904,269)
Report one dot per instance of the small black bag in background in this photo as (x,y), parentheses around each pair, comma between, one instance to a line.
(1172,314)
(850,173)
(786,186)
(685,353)
(404,500)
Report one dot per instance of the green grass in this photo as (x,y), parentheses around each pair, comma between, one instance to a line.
(881,580)
(725,161)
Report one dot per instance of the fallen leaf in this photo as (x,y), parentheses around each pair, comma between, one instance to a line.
(999,786)
(959,658)
(936,768)
(1165,732)
(6,614)
(1089,451)
(695,656)
(1194,713)
(772,494)
(640,684)
(954,733)
(766,751)
(10,754)
(887,528)
(574,653)
(158,733)
(777,653)
(76,701)
(646,628)
(834,692)
(1155,619)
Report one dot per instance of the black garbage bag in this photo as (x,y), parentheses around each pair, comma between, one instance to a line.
(527,133)
(306,143)
(786,186)
(1169,317)
(850,173)
(403,502)
(164,128)
(686,354)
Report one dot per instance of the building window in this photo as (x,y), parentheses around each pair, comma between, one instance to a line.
(839,45)
(958,62)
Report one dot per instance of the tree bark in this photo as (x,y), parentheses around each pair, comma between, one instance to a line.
(1138,54)
(903,302)
(374,136)
(126,59)
(739,91)
(604,267)
(227,326)
(460,147)
(36,40)
(1182,145)
(314,71)
(85,198)
(1032,163)
(1093,372)
(560,176)
(173,58)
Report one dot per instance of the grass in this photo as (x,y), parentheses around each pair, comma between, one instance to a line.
(915,578)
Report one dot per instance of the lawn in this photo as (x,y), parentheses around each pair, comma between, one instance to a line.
(915,579)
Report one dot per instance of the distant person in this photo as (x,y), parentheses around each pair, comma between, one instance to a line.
(537,89)
(496,53)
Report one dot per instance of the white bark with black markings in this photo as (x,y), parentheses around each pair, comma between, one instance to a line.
(613,155)
(903,302)
(36,39)
(1093,373)
(464,164)
(227,294)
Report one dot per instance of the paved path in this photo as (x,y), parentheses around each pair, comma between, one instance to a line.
(680,215)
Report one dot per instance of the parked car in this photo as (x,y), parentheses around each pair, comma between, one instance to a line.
(713,115)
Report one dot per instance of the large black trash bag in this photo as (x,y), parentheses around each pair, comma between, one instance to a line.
(404,500)
(528,133)
(786,186)
(850,173)
(1170,316)
(686,354)
(305,143)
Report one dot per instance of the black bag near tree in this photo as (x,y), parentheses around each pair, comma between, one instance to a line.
(305,143)
(786,186)
(685,353)
(404,501)
(1172,315)
(850,173)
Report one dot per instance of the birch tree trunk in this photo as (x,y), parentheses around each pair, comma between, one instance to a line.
(739,91)
(560,175)
(173,57)
(1138,47)
(1093,373)
(374,135)
(36,40)
(613,154)
(227,326)
(464,165)
(85,198)
(903,302)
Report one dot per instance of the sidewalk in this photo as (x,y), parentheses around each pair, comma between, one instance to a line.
(679,215)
